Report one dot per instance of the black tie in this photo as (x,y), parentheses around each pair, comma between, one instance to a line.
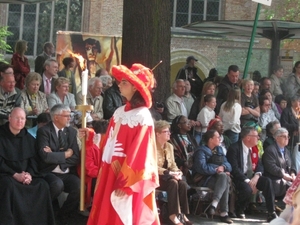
(61,140)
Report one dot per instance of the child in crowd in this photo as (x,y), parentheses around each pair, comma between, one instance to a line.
(206,114)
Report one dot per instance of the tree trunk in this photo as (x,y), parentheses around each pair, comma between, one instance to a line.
(146,39)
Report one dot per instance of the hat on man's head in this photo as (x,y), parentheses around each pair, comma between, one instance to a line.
(139,76)
(188,59)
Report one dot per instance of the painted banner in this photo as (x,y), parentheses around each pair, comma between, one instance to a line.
(100,52)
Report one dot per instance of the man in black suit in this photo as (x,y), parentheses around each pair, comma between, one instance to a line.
(59,153)
(247,173)
(50,71)
(48,51)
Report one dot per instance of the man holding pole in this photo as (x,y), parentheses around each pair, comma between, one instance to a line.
(59,152)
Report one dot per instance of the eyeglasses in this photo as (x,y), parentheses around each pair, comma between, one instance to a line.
(285,137)
(67,116)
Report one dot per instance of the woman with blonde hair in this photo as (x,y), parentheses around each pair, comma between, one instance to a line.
(33,101)
(61,95)
(170,176)
(20,63)
(230,113)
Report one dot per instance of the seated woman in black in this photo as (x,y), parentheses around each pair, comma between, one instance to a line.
(211,163)
(184,144)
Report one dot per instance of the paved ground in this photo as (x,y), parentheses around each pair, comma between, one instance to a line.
(257,218)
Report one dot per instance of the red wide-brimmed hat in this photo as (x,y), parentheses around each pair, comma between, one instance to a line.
(139,76)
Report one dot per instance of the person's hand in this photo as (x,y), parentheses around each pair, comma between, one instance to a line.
(34,111)
(293,176)
(160,110)
(220,169)
(193,123)
(83,132)
(68,153)
(228,173)
(94,116)
(28,178)
(47,149)
(287,177)
(253,183)
(120,193)
(20,177)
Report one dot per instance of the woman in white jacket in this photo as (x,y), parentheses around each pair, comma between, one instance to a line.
(230,113)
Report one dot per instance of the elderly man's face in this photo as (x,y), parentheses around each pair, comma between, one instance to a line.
(96,89)
(180,89)
(52,69)
(282,140)
(8,82)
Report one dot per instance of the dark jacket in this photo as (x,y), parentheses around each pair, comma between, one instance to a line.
(46,136)
(275,166)
(223,90)
(111,101)
(289,121)
(39,63)
(195,81)
(235,158)
(201,162)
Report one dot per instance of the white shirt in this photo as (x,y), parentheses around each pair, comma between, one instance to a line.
(231,119)
(205,116)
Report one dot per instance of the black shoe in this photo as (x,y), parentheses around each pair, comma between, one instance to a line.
(271,216)
(211,210)
(240,214)
(226,219)
(232,215)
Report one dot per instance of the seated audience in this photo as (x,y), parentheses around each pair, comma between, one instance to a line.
(270,131)
(289,120)
(93,97)
(25,197)
(230,113)
(33,101)
(50,69)
(206,114)
(281,103)
(210,161)
(175,103)
(266,115)
(217,124)
(184,144)
(249,103)
(61,95)
(170,177)
(247,173)
(112,100)
(267,93)
(265,83)
(276,81)
(209,88)
(59,155)
(67,72)
(277,163)
(10,97)
(188,97)
(107,82)
(42,119)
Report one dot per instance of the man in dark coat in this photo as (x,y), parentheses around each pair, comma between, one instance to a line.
(229,81)
(48,51)
(59,152)
(112,100)
(277,163)
(25,196)
(247,173)
(189,72)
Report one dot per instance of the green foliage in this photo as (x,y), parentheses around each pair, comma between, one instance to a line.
(4,47)
(284,10)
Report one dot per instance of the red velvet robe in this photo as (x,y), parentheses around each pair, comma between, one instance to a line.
(129,164)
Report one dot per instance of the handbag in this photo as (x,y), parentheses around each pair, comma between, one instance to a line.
(216,159)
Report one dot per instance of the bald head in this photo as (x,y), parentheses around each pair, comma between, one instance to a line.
(17,119)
